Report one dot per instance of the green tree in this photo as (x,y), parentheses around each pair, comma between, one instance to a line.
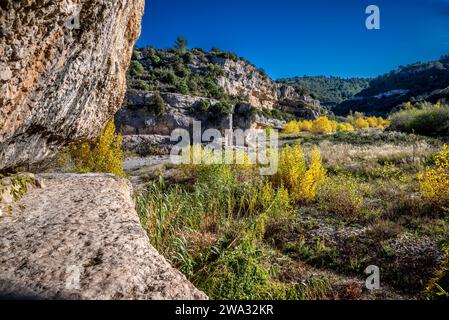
(181,45)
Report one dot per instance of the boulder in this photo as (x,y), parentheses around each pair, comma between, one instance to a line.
(63,66)
(79,237)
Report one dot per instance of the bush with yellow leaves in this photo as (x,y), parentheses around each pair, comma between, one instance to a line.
(291,127)
(293,174)
(345,127)
(105,155)
(383,123)
(434,182)
(313,178)
(323,125)
(295,127)
(361,123)
(372,122)
(305,125)
(291,169)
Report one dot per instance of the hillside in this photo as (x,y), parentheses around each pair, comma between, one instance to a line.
(217,75)
(331,91)
(416,82)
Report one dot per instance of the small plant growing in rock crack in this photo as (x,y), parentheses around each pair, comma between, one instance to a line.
(16,187)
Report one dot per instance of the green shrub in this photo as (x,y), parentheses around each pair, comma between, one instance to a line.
(204,105)
(341,195)
(212,89)
(155,59)
(239,274)
(136,68)
(224,106)
(430,120)
(181,70)
(158,106)
(142,85)
(169,77)
(183,87)
(181,45)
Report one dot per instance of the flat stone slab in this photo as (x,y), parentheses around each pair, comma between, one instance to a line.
(79,237)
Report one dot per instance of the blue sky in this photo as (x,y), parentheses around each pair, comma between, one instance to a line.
(305,37)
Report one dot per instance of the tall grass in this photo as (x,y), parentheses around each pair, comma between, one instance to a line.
(212,230)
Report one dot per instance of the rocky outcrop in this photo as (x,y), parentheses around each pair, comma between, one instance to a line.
(139,118)
(62,72)
(147,144)
(79,237)
(252,86)
(147,133)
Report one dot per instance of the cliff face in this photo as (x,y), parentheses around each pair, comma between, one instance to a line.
(62,72)
(139,117)
(258,90)
(236,93)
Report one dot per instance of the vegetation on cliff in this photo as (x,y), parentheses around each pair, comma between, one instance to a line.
(179,70)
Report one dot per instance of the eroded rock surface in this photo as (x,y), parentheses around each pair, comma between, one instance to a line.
(62,72)
(139,118)
(79,237)
(258,90)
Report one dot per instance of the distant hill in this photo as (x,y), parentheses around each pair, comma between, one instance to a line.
(416,82)
(331,91)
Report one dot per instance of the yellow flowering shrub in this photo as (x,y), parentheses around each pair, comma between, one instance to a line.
(295,127)
(313,178)
(383,123)
(434,182)
(361,123)
(323,125)
(291,127)
(334,125)
(291,169)
(372,122)
(104,155)
(305,125)
(345,127)
(293,174)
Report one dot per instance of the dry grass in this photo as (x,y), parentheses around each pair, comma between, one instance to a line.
(366,158)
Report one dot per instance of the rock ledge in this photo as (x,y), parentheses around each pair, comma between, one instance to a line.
(79,237)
